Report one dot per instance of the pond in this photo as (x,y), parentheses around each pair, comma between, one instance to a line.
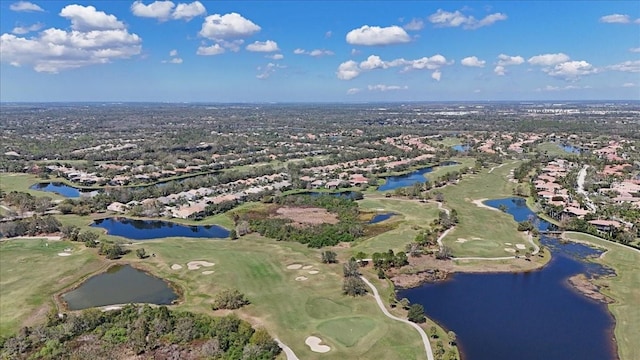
(523,316)
(153,229)
(460,147)
(120,285)
(380,218)
(394,182)
(569,148)
(60,189)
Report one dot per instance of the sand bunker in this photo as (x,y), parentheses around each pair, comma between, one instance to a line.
(510,250)
(315,344)
(480,203)
(176,267)
(313,272)
(508,244)
(294,267)
(521,246)
(208,272)
(301,278)
(195,265)
(307,267)
(64,254)
(461,240)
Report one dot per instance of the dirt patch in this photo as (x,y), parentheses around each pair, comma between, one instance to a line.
(302,216)
(195,265)
(315,344)
(581,283)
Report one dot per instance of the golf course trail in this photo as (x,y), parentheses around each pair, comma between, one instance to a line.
(287,350)
(425,338)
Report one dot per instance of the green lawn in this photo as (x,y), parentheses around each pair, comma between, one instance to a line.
(624,288)
(441,170)
(31,272)
(482,232)
(551,149)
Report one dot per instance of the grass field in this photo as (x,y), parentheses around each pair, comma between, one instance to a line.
(438,171)
(412,215)
(485,231)
(21,182)
(31,272)
(624,288)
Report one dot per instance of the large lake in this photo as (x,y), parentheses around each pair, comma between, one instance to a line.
(153,229)
(120,285)
(57,188)
(524,316)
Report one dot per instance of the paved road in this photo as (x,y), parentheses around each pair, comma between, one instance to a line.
(425,338)
(287,350)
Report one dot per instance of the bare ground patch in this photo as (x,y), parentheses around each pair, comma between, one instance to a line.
(306,215)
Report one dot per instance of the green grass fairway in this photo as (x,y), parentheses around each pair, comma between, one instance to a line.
(411,214)
(464,162)
(31,272)
(484,231)
(624,288)
(552,149)
(290,309)
(21,182)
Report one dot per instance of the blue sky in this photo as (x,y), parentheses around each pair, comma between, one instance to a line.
(318,51)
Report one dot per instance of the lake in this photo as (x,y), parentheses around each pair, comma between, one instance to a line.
(394,182)
(569,148)
(460,147)
(120,285)
(380,217)
(153,229)
(524,316)
(58,188)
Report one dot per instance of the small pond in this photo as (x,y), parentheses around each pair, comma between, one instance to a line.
(121,284)
(380,218)
(569,148)
(524,316)
(460,147)
(153,229)
(60,189)
(394,182)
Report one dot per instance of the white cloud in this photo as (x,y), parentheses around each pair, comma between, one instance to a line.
(504,60)
(160,10)
(353,91)
(233,45)
(436,75)
(637,21)
(21,30)
(627,66)
(266,46)
(635,50)
(328,34)
(355,51)
(175,60)
(499,70)
(375,35)
(615,19)
(548,59)
(227,26)
(87,18)
(629,84)
(414,25)
(443,18)
(382,87)
(314,52)
(268,70)
(275,57)
(429,63)
(214,49)
(25,6)
(563,88)
(373,62)
(173,52)
(572,70)
(187,12)
(472,61)
(96,38)
(348,70)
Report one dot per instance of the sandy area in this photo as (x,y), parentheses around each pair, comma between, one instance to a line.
(508,244)
(195,265)
(112,307)
(301,278)
(176,267)
(307,267)
(581,283)
(313,272)
(521,246)
(315,343)
(64,254)
(294,267)
(307,215)
(461,240)
(207,272)
(510,250)
(480,204)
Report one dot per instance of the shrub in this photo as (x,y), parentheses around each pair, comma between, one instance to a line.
(229,299)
